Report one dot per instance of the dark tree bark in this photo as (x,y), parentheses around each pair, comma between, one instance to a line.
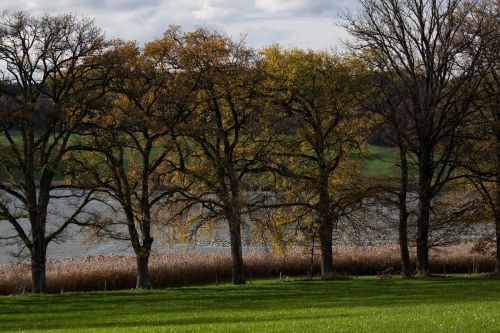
(403,216)
(326,244)
(236,251)
(497,228)
(423,238)
(38,272)
(142,242)
(497,189)
(325,231)
(425,194)
(143,280)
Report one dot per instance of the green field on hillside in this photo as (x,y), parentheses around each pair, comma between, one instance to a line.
(376,161)
(358,305)
(380,161)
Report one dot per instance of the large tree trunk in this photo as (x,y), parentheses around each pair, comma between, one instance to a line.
(497,221)
(236,250)
(497,194)
(142,251)
(326,243)
(424,212)
(143,281)
(38,248)
(142,254)
(403,245)
(38,272)
(403,217)
(325,230)
(423,236)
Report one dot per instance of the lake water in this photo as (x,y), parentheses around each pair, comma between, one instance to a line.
(375,226)
(77,241)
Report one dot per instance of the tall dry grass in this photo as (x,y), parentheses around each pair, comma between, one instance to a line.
(116,272)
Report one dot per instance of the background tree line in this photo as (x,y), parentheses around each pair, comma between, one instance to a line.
(194,128)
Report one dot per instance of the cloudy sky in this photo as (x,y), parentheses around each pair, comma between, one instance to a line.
(301,23)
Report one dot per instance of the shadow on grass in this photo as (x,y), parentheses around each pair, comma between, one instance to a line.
(231,304)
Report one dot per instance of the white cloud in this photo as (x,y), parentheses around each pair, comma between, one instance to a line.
(303,7)
(309,33)
(212,9)
(274,6)
(300,23)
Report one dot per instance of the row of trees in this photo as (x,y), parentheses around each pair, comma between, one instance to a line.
(195,127)
(435,61)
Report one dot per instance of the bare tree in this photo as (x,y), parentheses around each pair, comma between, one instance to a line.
(127,141)
(220,146)
(482,156)
(421,47)
(47,87)
(318,125)
(394,192)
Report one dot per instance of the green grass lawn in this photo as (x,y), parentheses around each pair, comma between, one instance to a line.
(359,305)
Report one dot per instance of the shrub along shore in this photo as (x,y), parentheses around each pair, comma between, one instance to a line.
(173,269)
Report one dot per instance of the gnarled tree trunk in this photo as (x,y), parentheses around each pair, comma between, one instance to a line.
(497,222)
(326,243)
(38,271)
(424,212)
(143,280)
(423,237)
(325,231)
(497,194)
(403,217)
(142,251)
(236,250)
(38,248)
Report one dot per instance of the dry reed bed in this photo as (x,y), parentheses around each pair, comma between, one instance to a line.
(116,272)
